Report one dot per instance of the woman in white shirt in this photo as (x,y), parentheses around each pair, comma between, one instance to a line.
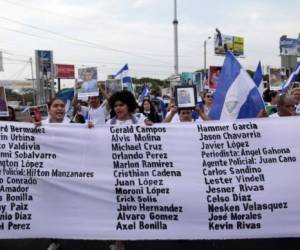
(56,113)
(123,105)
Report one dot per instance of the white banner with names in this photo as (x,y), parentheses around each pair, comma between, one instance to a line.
(212,180)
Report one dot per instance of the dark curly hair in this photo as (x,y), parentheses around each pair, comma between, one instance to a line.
(126,97)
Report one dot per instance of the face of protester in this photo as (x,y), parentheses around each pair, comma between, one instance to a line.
(208,99)
(185,115)
(296,95)
(146,106)
(57,111)
(121,110)
(288,108)
(275,99)
(94,102)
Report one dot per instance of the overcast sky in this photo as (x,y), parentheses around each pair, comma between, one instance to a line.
(110,33)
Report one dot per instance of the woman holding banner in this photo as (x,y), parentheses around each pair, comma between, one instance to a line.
(56,114)
(123,106)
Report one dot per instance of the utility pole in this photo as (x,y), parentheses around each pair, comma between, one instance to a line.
(204,57)
(206,76)
(33,84)
(205,42)
(175,23)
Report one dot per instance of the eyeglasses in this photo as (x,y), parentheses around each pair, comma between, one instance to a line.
(209,96)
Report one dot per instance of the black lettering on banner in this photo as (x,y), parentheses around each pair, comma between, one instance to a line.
(212,226)
(18,226)
(125,227)
(247,177)
(147,153)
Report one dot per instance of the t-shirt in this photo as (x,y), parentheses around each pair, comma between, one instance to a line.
(65,121)
(97,116)
(139,118)
(89,86)
(175,118)
(274,115)
(206,110)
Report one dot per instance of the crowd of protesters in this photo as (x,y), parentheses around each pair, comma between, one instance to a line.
(152,109)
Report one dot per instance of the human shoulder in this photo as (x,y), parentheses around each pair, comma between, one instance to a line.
(65,121)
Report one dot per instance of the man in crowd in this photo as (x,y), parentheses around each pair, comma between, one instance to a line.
(97,112)
(286,106)
(296,95)
(159,105)
(184,114)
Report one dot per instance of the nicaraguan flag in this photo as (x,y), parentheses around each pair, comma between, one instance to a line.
(67,96)
(292,78)
(258,78)
(145,92)
(237,95)
(123,75)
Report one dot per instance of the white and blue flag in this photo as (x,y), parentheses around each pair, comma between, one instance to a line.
(123,75)
(292,78)
(145,92)
(236,96)
(258,78)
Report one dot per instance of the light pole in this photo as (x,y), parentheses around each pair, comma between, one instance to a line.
(205,41)
(175,23)
(33,83)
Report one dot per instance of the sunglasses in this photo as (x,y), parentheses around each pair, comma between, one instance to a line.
(209,96)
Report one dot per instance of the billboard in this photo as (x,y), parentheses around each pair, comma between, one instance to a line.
(223,43)
(44,62)
(64,71)
(214,75)
(289,46)
(16,84)
(187,78)
(44,75)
